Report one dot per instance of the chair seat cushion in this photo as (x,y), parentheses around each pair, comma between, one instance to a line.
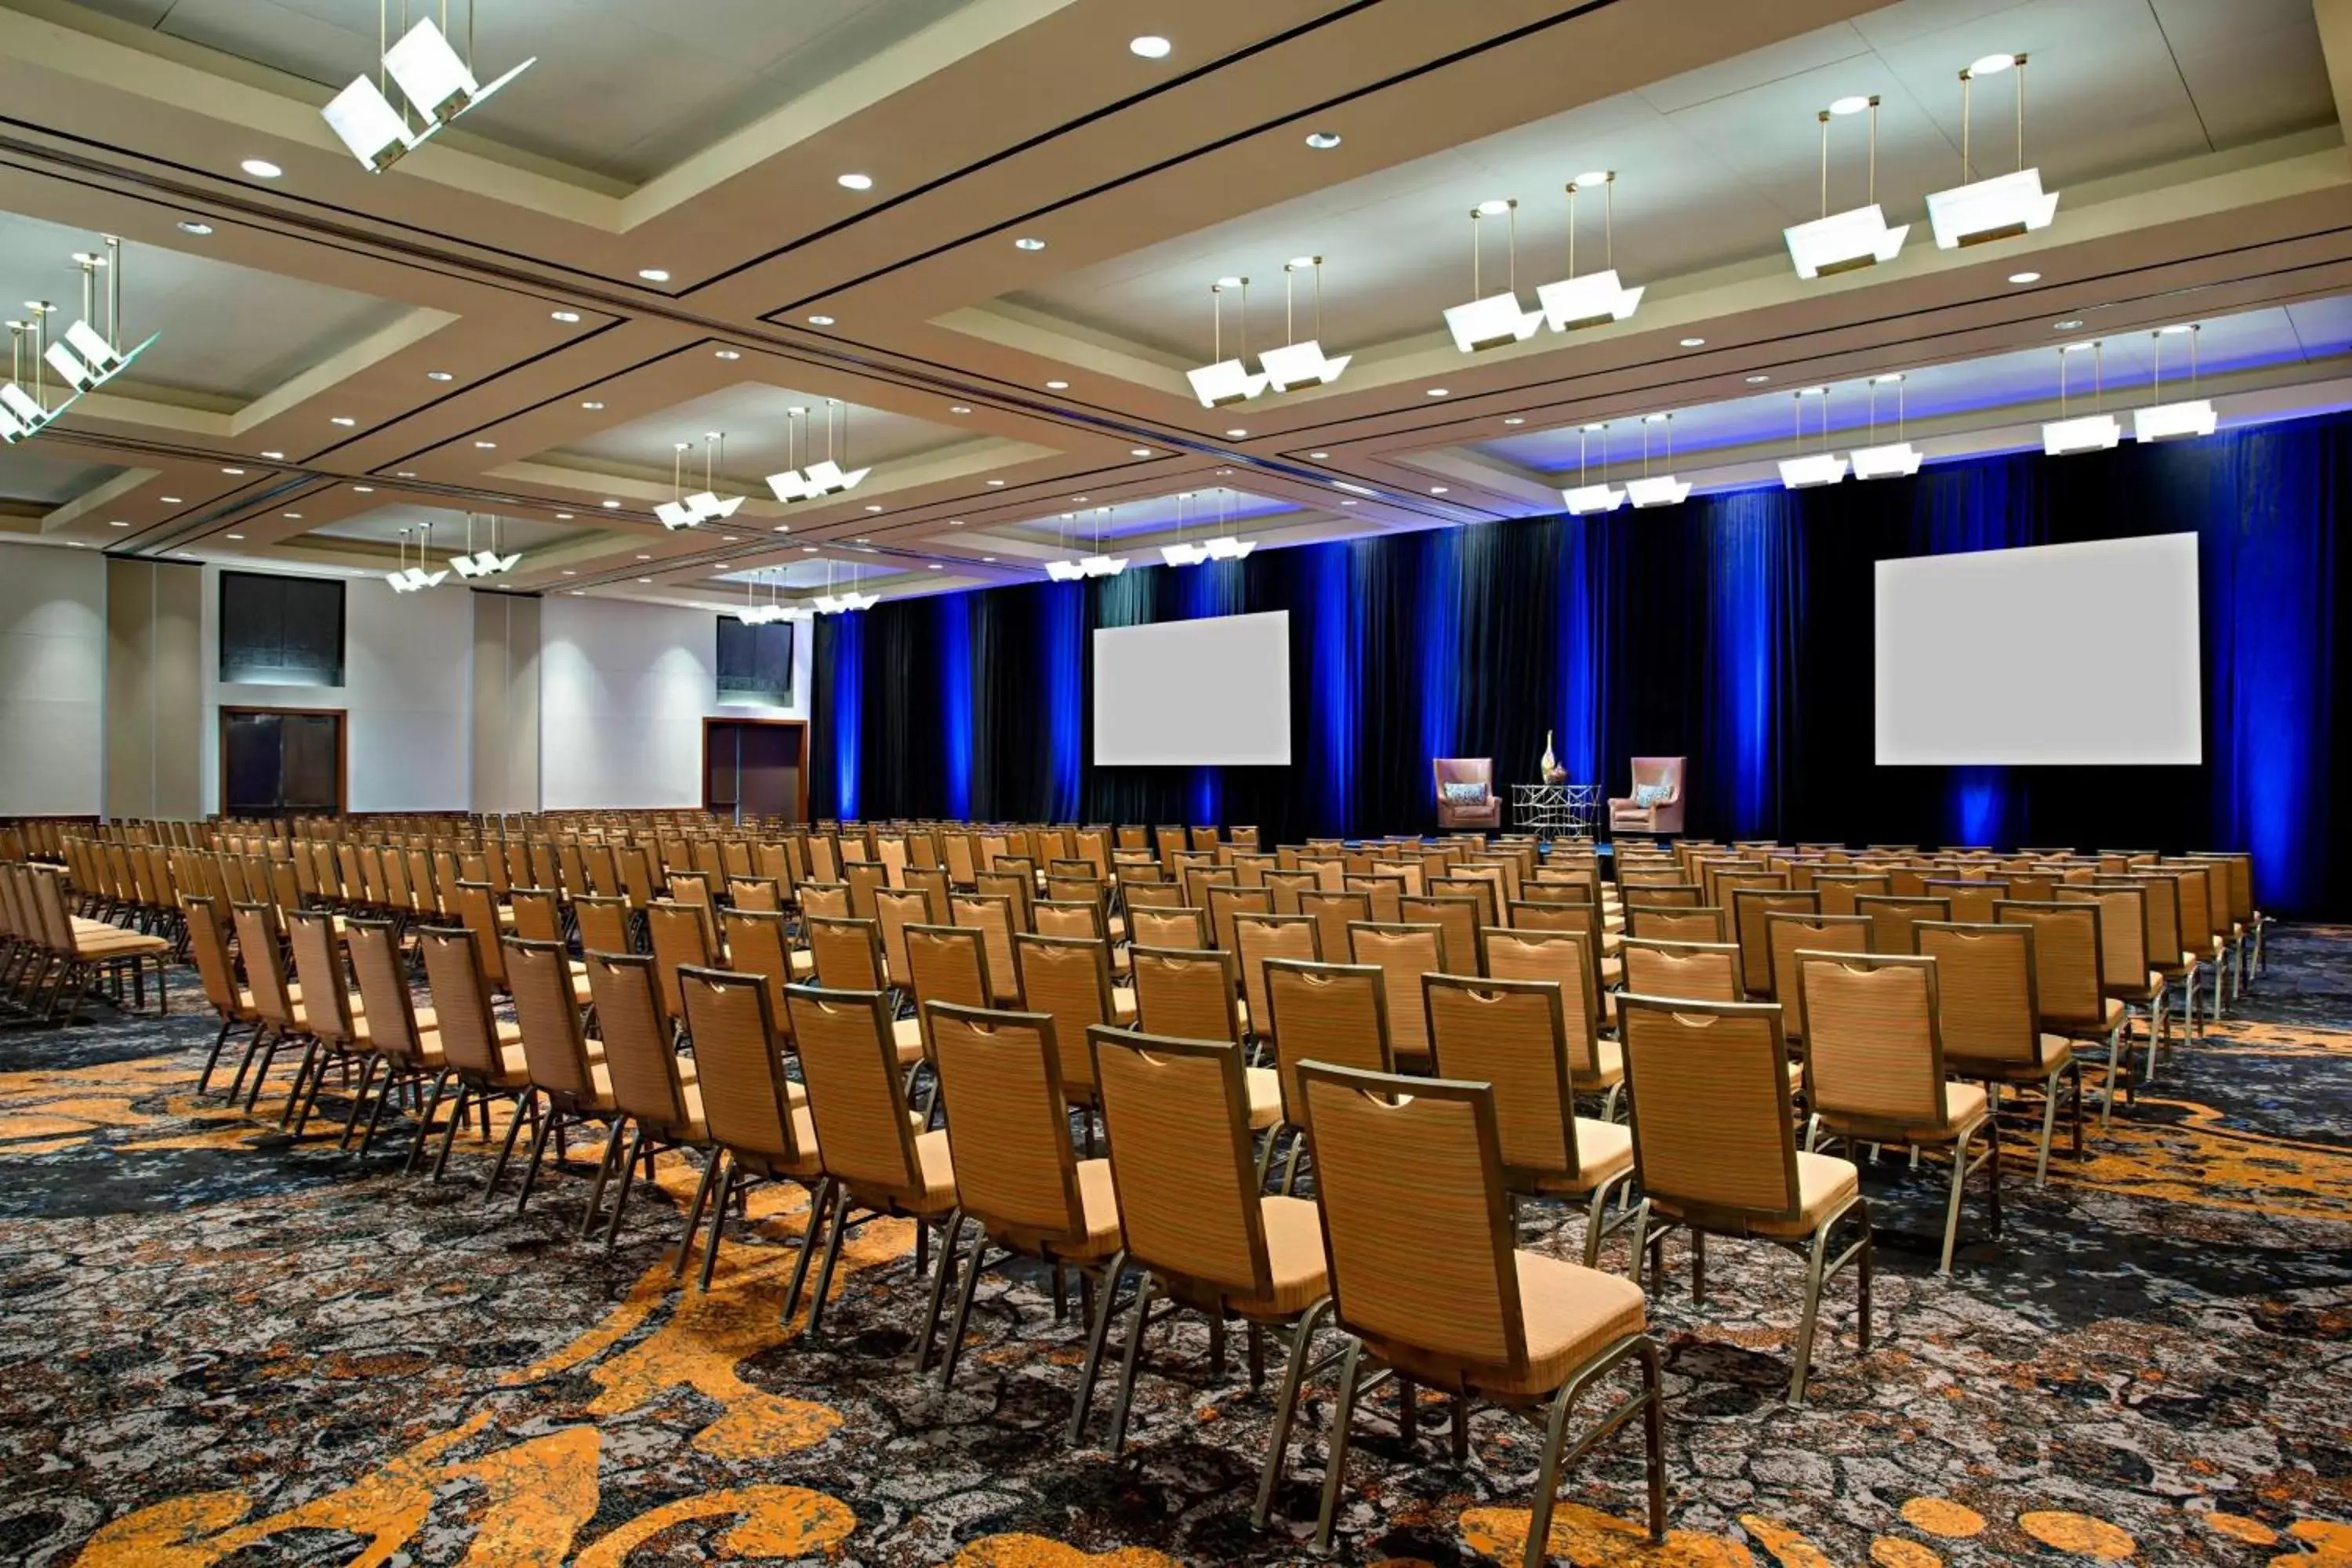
(1569,1314)
(1122,1005)
(1295,1261)
(938,1169)
(1264,1087)
(1823,1184)
(1098,1203)
(1602,1150)
(1608,1060)
(803,962)
(907,1035)
(2057,1052)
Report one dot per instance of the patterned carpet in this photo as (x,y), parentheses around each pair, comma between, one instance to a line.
(217,1346)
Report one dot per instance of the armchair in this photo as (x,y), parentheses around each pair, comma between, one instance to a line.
(1458,805)
(1656,803)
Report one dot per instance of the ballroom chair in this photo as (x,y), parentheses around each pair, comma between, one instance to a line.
(1788,932)
(1715,1150)
(567,1071)
(1404,953)
(1426,1281)
(484,1054)
(1465,794)
(1655,806)
(1985,1011)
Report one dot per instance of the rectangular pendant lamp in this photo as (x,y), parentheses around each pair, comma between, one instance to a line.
(2086,432)
(1844,242)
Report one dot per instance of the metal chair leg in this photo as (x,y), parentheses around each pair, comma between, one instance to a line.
(954,1350)
(1128,1361)
(1302,1343)
(358,1099)
(717,1222)
(2049,1125)
(1107,1298)
(549,1122)
(950,1236)
(628,1174)
(213,1057)
(614,1144)
(425,1120)
(711,1164)
(505,1149)
(1952,1204)
(841,1207)
(1811,1319)
(391,1078)
(449,1132)
(1343,1412)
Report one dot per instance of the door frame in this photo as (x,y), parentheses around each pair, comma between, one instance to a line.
(801,812)
(342,717)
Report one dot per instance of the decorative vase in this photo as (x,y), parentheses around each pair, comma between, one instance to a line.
(1552,771)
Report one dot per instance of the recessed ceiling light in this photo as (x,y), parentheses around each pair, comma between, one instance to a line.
(1152,47)
(118,525)
(167,501)
(1891,376)
(612,506)
(820,320)
(645,558)
(1080,499)
(1990,64)
(1057,386)
(196,228)
(291,516)
(1236,433)
(2025,278)
(1812,392)
(2065,326)
(78,545)
(1494,206)
(1758,380)
(997,482)
(345,420)
(237,472)
(1223,471)
(989,559)
(1852,105)
(1513,419)
(872,509)
(261,168)
(1028,242)
(563,315)
(1437,391)
(438,375)
(729,354)
(187,556)
(730,539)
(578,593)
(1323,141)
(592,406)
(645,579)
(1437,490)
(959,409)
(654,274)
(563,517)
(935,566)
(1318,455)
(1596,425)
(275,456)
(238,537)
(362,489)
(406,474)
(854,181)
(1347,503)
(1693,343)
(488,446)
(571,574)
(808,549)
(955,522)
(1229,282)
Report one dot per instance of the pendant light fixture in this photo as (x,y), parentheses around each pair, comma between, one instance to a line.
(438,87)
(1228,380)
(410,579)
(1810,470)
(1857,238)
(84,358)
(1226,545)
(673,512)
(2002,207)
(1099,564)
(1490,321)
(2094,432)
(1182,554)
(1897,460)
(848,600)
(755,614)
(1597,298)
(825,476)
(2162,421)
(1587,498)
(489,563)
(1297,363)
(1665,490)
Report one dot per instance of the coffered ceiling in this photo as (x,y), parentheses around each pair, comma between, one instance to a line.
(646,239)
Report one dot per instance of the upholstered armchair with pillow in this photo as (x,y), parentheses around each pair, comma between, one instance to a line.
(1465,793)
(1656,803)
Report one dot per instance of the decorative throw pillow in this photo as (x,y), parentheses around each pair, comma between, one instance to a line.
(1649,795)
(1465,792)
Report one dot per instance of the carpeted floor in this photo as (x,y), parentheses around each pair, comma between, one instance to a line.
(217,1346)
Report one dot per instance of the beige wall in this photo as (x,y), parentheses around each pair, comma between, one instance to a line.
(52,679)
(506,702)
(155,711)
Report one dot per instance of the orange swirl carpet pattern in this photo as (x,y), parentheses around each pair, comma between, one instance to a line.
(221,1346)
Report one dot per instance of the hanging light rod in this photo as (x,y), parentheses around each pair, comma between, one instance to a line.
(2162,421)
(84,358)
(1976,211)
(1856,237)
(821,479)
(1598,298)
(438,87)
(1490,321)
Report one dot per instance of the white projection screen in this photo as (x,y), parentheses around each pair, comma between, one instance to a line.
(1213,691)
(2068,654)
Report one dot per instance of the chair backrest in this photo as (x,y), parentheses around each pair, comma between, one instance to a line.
(538,973)
(1565,959)
(1892,916)
(1176,1113)
(383,987)
(1479,770)
(1334,909)
(1066,979)
(851,1068)
(1326,1012)
(2122,933)
(1186,995)
(1839,890)
(256,941)
(1225,902)
(1416,1221)
(1686,971)
(537,917)
(1512,1034)
(1018,889)
(1081,918)
(207,942)
(461,1000)
(1712,1138)
(746,1098)
(1260,937)
(637,1050)
(1873,1053)
(1985,1003)
(991,914)
(847,955)
(1785,935)
(2068,995)
(1752,908)
(604,924)
(895,908)
(1008,1122)
(318,965)
(1180,926)
(1694,923)
(1386,895)
(1404,954)
(866,878)
(1972,899)
(681,941)
(1458,923)
(757,944)
(479,910)
(946,964)
(830,900)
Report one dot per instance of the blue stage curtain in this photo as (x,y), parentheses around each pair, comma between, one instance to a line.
(1735,629)
(954,630)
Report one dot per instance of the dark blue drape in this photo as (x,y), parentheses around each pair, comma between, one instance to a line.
(1735,630)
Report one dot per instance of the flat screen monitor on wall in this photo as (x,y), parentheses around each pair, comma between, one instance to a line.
(278,630)
(755,663)
(2075,654)
(1182,692)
